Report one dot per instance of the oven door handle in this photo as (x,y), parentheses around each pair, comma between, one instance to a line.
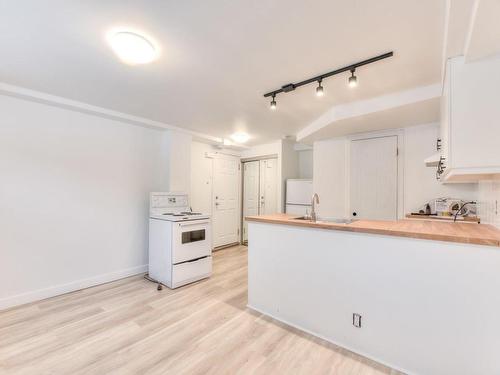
(192,223)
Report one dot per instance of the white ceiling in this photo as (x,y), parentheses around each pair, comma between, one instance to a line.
(423,112)
(397,110)
(218,57)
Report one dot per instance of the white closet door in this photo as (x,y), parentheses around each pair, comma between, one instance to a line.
(250,192)
(374,178)
(226,198)
(268,186)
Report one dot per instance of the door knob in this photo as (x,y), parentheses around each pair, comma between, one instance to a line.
(354,214)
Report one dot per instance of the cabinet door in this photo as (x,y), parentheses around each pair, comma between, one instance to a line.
(475,113)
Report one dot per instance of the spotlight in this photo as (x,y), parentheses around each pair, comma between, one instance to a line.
(273,103)
(353,80)
(319,89)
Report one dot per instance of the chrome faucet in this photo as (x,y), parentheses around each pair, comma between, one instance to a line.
(314,198)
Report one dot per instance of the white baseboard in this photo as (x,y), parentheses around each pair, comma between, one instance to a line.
(331,341)
(37,295)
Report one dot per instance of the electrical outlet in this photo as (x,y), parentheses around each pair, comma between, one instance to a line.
(356,320)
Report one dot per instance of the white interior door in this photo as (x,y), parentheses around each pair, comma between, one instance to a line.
(268,186)
(250,192)
(226,207)
(374,178)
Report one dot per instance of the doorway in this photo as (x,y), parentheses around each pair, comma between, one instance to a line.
(260,189)
(225,200)
(374,178)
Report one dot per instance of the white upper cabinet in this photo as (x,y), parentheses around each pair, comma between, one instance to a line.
(470,120)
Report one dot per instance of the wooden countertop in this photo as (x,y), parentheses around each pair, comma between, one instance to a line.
(480,234)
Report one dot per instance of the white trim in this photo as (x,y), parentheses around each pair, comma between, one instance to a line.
(394,367)
(57,101)
(57,290)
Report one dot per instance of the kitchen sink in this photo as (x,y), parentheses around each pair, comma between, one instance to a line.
(328,220)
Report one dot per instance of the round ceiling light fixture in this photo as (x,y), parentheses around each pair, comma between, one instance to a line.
(132,48)
(240,137)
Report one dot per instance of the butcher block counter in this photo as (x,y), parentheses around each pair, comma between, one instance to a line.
(479,234)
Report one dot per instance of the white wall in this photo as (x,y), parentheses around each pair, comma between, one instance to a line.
(419,183)
(329,177)
(74,192)
(306,164)
(267,149)
(179,151)
(489,201)
(289,168)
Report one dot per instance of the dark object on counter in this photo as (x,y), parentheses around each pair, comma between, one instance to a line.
(427,209)
(461,208)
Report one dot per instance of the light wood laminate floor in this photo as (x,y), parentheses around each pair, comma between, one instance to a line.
(128,327)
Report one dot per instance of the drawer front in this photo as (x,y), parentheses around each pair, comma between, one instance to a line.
(188,272)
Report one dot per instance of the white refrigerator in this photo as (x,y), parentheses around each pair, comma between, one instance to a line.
(298,196)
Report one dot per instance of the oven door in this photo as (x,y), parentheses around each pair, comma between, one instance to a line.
(191,239)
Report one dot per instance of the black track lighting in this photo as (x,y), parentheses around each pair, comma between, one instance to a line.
(353,80)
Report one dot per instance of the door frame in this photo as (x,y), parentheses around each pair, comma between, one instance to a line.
(242,219)
(278,183)
(399,134)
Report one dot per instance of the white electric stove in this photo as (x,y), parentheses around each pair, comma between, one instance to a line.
(180,241)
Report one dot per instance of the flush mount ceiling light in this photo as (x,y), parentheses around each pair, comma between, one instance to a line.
(240,137)
(132,48)
(353,80)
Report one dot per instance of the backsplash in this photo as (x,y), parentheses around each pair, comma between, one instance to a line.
(489,201)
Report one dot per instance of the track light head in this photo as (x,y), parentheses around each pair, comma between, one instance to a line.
(353,80)
(273,103)
(319,89)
